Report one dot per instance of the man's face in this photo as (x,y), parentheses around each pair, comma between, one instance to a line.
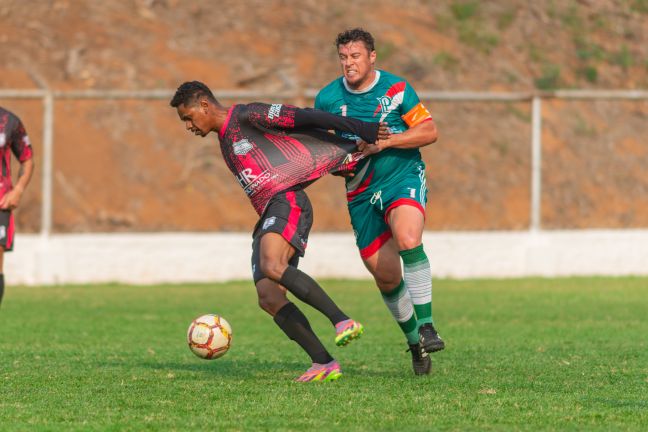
(357,64)
(195,117)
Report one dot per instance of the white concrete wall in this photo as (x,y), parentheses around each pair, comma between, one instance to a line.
(201,257)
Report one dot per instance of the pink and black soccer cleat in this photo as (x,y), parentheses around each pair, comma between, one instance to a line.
(322,372)
(346,331)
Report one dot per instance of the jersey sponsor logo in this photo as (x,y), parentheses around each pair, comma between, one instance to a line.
(269,222)
(391,100)
(275,110)
(3,139)
(242,147)
(245,177)
(251,182)
(258,182)
(385,102)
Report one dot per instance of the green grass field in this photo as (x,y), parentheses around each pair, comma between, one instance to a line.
(525,354)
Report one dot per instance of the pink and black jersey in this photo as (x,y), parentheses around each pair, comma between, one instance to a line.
(13,139)
(272,148)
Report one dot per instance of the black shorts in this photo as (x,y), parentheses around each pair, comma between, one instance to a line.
(289,214)
(6,230)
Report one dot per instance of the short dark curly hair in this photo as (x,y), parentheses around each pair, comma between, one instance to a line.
(190,92)
(355,35)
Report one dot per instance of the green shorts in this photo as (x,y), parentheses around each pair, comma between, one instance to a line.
(369,209)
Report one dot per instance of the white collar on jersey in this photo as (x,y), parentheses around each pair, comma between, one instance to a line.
(372,85)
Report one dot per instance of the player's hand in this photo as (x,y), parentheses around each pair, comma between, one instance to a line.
(371,149)
(11,200)
(361,145)
(383,131)
(348,174)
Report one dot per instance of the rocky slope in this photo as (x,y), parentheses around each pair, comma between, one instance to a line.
(128,165)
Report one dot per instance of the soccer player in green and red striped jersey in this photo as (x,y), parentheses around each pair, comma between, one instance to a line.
(387,195)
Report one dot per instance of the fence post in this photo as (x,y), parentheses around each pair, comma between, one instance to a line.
(536,163)
(48,131)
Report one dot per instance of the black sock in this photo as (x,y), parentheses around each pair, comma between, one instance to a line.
(309,291)
(296,326)
(1,286)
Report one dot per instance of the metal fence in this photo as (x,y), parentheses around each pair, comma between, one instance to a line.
(534,98)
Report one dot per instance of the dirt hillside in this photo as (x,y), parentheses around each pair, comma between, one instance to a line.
(128,165)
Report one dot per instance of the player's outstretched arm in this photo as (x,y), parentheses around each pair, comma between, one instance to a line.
(420,135)
(313,118)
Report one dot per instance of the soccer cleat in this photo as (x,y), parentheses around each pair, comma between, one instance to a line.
(421,362)
(346,331)
(322,372)
(429,339)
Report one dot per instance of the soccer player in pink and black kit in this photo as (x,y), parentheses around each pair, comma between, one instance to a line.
(13,139)
(275,151)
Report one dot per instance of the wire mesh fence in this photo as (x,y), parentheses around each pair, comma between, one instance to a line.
(114,160)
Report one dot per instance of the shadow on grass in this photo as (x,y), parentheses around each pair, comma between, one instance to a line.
(230,369)
(243,369)
(618,403)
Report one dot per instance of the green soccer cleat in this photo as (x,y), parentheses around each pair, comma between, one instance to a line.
(346,331)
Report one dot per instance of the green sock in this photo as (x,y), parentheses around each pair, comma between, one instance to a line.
(400,305)
(418,281)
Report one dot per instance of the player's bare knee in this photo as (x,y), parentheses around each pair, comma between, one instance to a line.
(270,301)
(387,281)
(273,268)
(263,304)
(388,284)
(267,305)
(408,241)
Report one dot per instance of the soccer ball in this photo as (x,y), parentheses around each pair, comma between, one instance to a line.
(209,336)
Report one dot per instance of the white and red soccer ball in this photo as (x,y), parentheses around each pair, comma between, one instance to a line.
(209,336)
